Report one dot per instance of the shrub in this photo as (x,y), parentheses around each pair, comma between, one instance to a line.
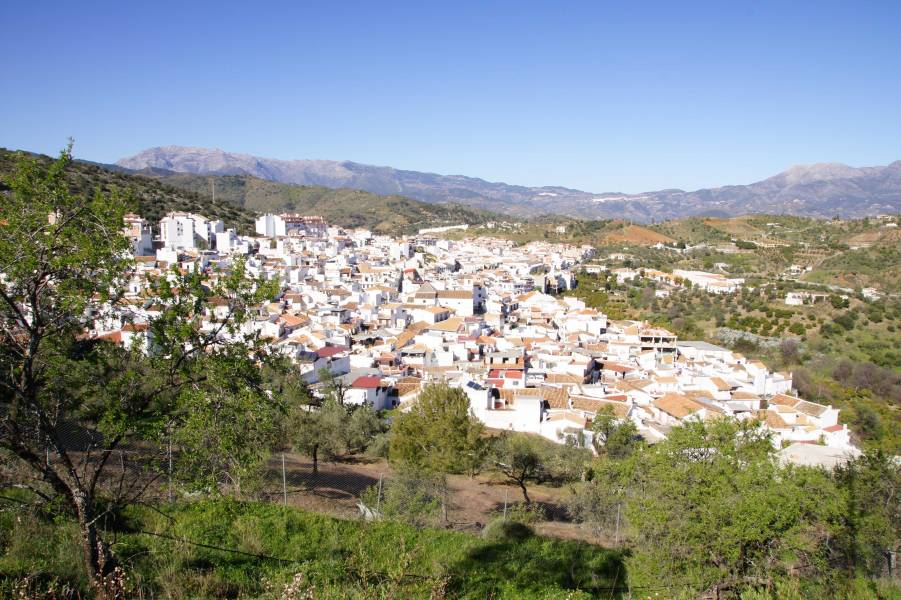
(408,498)
(500,530)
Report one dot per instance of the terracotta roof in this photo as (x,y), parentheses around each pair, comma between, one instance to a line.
(329,351)
(406,388)
(367,382)
(677,405)
(784,400)
(810,408)
(448,325)
(563,378)
(720,384)
(568,415)
(588,404)
(455,294)
(505,374)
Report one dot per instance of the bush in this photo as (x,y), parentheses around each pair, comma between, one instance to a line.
(525,513)
(378,447)
(408,498)
(500,530)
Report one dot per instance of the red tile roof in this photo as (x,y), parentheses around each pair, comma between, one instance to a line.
(367,382)
(329,351)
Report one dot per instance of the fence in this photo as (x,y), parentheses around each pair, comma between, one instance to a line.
(372,489)
(353,488)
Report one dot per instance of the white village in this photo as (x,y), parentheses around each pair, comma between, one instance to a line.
(388,315)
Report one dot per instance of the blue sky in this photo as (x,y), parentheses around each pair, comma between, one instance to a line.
(601,96)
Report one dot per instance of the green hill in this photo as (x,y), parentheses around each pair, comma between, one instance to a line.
(239,198)
(226,549)
(345,207)
(152,198)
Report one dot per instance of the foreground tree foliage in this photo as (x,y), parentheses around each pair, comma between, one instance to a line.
(69,401)
(711,510)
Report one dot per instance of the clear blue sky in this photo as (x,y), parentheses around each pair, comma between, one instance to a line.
(601,96)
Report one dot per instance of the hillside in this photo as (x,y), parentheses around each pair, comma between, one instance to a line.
(821,190)
(152,198)
(239,198)
(225,549)
(345,207)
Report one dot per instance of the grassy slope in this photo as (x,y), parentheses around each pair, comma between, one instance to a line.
(340,559)
(595,233)
(877,266)
(344,207)
(152,198)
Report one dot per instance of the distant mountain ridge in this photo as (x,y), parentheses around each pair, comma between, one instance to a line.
(347,207)
(238,199)
(821,190)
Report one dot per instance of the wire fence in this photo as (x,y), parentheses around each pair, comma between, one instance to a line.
(354,487)
(373,490)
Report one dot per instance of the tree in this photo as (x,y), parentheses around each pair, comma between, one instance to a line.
(363,426)
(321,431)
(790,350)
(332,386)
(613,436)
(228,425)
(871,517)
(520,459)
(64,264)
(439,434)
(704,512)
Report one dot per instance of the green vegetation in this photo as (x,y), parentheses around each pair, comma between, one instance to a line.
(811,340)
(68,402)
(523,459)
(876,266)
(253,550)
(439,434)
(614,437)
(150,198)
(329,428)
(391,215)
(710,510)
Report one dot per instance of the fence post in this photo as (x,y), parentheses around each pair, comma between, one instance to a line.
(617,526)
(444,501)
(284,481)
(169,459)
(378,498)
(505,504)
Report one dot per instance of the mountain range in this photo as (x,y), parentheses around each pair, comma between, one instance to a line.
(820,190)
(238,199)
